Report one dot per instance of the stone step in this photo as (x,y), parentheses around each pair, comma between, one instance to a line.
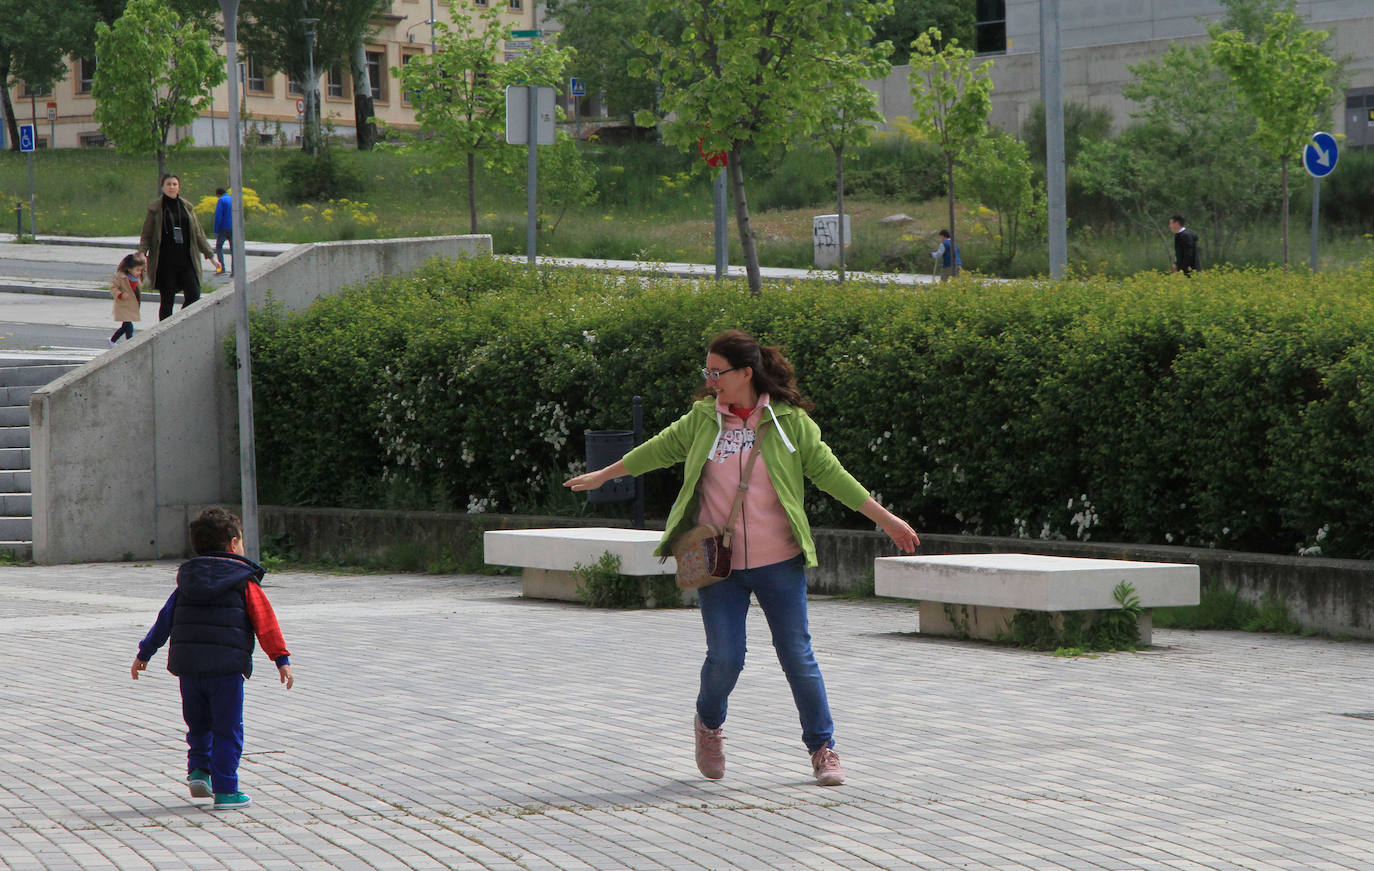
(16,459)
(14,436)
(16,529)
(16,504)
(46,358)
(14,415)
(12,396)
(14,376)
(20,550)
(16,481)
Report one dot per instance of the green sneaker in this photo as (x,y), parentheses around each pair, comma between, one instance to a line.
(199,781)
(228,801)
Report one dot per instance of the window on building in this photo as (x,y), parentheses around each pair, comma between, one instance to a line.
(256,76)
(294,87)
(336,85)
(27,91)
(990,29)
(517,5)
(479,2)
(92,140)
(408,97)
(85,75)
(376,73)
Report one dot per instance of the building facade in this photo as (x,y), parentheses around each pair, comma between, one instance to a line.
(272,107)
(1101,39)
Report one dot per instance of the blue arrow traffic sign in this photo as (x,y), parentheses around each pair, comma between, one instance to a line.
(27,140)
(1321,155)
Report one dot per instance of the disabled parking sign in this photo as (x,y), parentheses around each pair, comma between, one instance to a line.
(27,139)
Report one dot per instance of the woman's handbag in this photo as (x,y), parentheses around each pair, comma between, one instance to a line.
(703,552)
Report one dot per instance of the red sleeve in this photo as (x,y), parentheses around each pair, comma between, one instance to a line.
(264,621)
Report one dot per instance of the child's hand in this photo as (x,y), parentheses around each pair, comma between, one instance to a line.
(285,672)
(139,665)
(119,295)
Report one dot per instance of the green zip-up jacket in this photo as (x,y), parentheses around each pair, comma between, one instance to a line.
(792,451)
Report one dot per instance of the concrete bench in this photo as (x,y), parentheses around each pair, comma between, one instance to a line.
(977,595)
(549,556)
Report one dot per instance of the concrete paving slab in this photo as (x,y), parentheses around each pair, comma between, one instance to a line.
(443,722)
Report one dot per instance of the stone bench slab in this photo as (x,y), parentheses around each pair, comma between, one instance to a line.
(548,557)
(1033,582)
(561,549)
(978,595)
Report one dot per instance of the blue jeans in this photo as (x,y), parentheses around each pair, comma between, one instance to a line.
(213,709)
(781,592)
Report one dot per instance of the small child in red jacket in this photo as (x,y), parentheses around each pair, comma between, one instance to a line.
(211,618)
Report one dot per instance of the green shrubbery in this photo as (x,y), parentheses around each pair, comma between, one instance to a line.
(1232,410)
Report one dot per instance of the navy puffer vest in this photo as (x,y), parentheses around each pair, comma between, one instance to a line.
(211,632)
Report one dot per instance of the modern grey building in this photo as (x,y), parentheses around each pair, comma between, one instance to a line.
(1101,39)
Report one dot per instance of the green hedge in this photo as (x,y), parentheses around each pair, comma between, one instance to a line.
(1233,410)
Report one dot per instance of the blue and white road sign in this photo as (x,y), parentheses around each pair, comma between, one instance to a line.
(576,88)
(27,139)
(1321,155)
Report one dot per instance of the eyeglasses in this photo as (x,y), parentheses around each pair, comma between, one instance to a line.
(713,375)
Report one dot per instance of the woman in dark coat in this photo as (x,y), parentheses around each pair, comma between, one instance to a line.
(171,237)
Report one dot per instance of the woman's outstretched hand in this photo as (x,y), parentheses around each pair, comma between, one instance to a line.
(592,480)
(896,528)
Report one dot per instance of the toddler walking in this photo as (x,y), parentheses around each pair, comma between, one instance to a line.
(211,619)
(124,288)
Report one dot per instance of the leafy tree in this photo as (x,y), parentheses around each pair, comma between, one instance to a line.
(747,72)
(565,178)
(155,73)
(1082,124)
(849,111)
(997,172)
(604,34)
(950,99)
(271,32)
(1284,79)
(459,93)
(35,38)
(911,18)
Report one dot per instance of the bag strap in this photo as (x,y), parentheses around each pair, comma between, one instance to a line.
(735,509)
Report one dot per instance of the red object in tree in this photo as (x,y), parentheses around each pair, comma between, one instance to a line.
(714,159)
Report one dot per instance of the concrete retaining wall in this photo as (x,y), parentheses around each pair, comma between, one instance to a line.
(125,446)
(1329,595)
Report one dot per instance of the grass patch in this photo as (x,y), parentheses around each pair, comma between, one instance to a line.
(1225,609)
(653,204)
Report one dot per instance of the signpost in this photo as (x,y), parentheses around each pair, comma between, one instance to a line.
(1319,158)
(28,141)
(576,90)
(529,121)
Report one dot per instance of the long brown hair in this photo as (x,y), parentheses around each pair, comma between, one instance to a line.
(773,374)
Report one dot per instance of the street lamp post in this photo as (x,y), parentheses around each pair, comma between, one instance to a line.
(248,466)
(312,135)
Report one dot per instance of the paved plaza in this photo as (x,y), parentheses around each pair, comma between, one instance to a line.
(444,722)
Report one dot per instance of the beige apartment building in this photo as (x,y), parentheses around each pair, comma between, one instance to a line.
(272,107)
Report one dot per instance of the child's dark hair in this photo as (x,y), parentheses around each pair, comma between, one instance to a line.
(130,261)
(214,530)
(219,192)
(773,374)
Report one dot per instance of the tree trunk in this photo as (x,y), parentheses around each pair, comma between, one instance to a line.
(10,121)
(949,180)
(365,130)
(746,231)
(161,165)
(839,205)
(1283,174)
(472,192)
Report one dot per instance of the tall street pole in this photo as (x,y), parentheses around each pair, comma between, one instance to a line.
(248,458)
(1052,94)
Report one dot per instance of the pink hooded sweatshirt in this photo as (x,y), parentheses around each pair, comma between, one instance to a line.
(763,535)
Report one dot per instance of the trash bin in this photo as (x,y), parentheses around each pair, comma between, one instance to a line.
(825,239)
(605,446)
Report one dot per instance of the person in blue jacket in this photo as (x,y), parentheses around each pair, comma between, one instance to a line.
(947,255)
(224,228)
